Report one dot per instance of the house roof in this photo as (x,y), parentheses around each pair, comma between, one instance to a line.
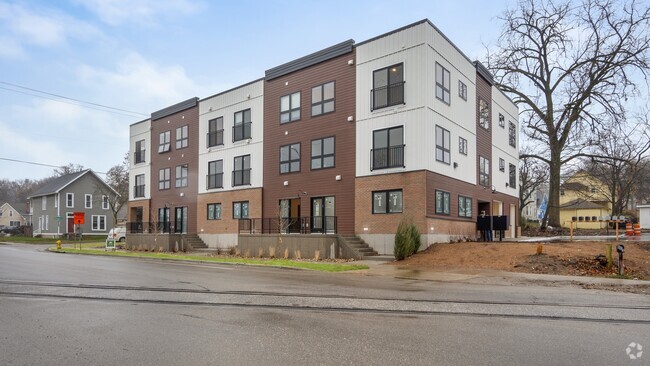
(56,185)
(574,186)
(581,204)
(20,209)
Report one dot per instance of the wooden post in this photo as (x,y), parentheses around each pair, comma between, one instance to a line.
(616,223)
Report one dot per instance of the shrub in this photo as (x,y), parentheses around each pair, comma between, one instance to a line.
(407,239)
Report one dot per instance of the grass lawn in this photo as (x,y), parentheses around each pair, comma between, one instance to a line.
(317,266)
(50,241)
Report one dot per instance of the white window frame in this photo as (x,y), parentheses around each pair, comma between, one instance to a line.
(105,204)
(96,226)
(88,203)
(44,203)
(66,200)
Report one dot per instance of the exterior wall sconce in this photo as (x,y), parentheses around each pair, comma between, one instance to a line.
(338,177)
(286,183)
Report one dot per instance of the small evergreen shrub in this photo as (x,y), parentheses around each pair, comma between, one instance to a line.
(407,239)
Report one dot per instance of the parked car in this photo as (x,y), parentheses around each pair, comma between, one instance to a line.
(118,234)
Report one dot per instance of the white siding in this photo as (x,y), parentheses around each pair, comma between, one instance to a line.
(140,131)
(500,143)
(226,105)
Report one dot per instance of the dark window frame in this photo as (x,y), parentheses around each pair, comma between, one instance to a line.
(512,176)
(215,135)
(443,90)
(139,154)
(502,165)
(183,140)
(323,101)
(502,121)
(444,132)
(484,114)
(182,176)
(484,171)
(441,210)
(165,183)
(214,211)
(214,174)
(245,133)
(462,145)
(512,134)
(321,154)
(243,170)
(396,87)
(289,112)
(462,203)
(462,90)
(138,189)
(388,147)
(386,195)
(165,142)
(289,163)
(241,206)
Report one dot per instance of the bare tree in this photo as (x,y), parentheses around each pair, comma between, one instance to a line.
(68,169)
(117,178)
(570,66)
(532,176)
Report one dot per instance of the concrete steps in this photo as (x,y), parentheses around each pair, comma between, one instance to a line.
(195,242)
(358,245)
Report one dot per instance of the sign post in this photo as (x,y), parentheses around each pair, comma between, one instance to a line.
(79,219)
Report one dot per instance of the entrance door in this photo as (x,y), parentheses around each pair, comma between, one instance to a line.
(180,224)
(69,216)
(290,215)
(322,215)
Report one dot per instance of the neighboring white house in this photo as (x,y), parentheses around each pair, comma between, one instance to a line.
(644,216)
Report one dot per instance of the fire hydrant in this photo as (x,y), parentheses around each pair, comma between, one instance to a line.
(58,245)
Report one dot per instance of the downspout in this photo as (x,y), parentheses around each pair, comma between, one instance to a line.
(58,214)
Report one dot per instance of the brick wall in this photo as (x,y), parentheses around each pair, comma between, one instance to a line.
(227,224)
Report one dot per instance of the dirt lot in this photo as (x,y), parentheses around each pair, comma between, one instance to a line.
(560,258)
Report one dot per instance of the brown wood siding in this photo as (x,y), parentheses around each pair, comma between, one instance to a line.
(483,136)
(322,182)
(190,155)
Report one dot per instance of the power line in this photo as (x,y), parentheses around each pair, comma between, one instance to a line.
(40,164)
(77,102)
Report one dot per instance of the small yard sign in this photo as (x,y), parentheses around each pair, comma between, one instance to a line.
(110,244)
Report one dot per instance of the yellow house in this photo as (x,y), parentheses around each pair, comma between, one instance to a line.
(584,197)
(10,216)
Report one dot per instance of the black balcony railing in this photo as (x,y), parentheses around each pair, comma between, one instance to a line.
(387,157)
(215,138)
(214,180)
(138,227)
(386,96)
(138,156)
(289,225)
(138,191)
(241,131)
(241,177)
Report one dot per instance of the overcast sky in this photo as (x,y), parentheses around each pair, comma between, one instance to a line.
(143,55)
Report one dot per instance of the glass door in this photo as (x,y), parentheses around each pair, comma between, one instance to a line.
(181,220)
(322,215)
(317,215)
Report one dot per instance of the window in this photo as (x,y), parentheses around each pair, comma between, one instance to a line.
(11,213)
(290,108)
(388,86)
(99,223)
(512,174)
(214,211)
(88,201)
(512,134)
(215,174)
(242,128)
(139,152)
(388,148)
(442,202)
(43,203)
(139,186)
(165,142)
(56,201)
(215,132)
(462,90)
(14,223)
(322,99)
(462,146)
(240,210)
(502,121)
(164,178)
(69,200)
(443,84)
(464,206)
(290,158)
(105,204)
(387,202)
(181,176)
(484,114)
(241,175)
(484,171)
(502,165)
(443,145)
(322,153)
(182,135)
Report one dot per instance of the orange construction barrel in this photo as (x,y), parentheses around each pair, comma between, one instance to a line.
(637,229)
(628,229)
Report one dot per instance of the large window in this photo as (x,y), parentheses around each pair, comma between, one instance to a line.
(462,146)
(443,145)
(512,134)
(139,152)
(240,210)
(464,206)
(462,90)
(290,108)
(290,158)
(512,176)
(215,132)
(215,174)
(484,114)
(322,99)
(165,142)
(241,174)
(214,211)
(388,148)
(164,178)
(484,171)
(443,202)
(388,86)
(181,176)
(387,201)
(242,128)
(182,137)
(98,222)
(322,153)
(69,200)
(88,201)
(138,190)
(443,84)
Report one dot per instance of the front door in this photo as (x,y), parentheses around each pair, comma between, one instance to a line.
(180,224)
(290,215)
(322,215)
(70,222)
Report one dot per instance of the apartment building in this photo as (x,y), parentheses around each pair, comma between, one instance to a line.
(139,175)
(346,140)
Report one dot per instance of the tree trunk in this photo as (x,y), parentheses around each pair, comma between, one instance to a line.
(553,207)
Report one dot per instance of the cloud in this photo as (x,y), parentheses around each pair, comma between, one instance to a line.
(9,48)
(139,12)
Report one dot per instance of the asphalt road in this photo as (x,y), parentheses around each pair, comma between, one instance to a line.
(80,310)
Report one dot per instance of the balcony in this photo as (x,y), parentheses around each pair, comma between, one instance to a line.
(214,181)
(387,96)
(387,157)
(138,156)
(241,132)
(138,191)
(289,225)
(215,138)
(241,177)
